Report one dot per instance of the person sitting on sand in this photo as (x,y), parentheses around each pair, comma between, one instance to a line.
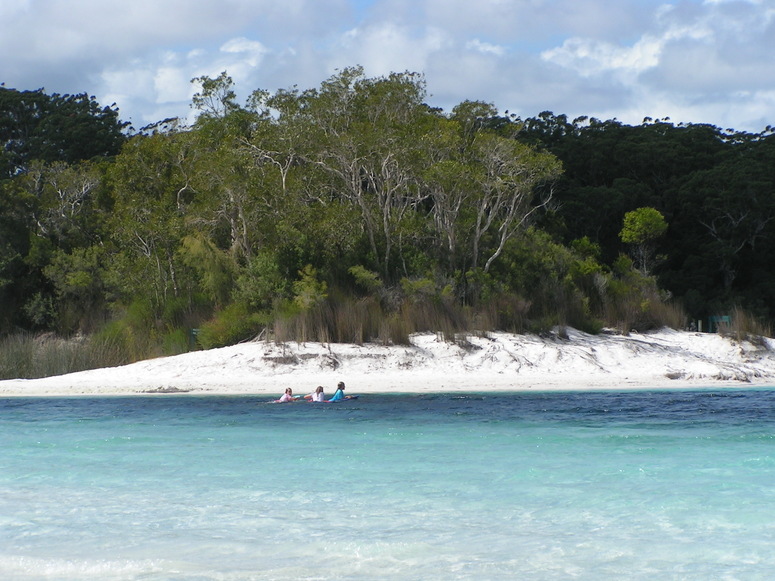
(339,394)
(316,395)
(286,397)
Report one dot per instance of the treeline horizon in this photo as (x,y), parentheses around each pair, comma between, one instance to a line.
(355,212)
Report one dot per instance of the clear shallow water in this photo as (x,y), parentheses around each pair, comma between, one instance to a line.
(635,485)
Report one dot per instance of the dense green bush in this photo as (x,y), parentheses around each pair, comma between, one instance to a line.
(233,324)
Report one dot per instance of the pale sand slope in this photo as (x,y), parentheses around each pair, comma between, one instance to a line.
(500,362)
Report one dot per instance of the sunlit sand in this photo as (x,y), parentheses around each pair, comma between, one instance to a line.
(497,362)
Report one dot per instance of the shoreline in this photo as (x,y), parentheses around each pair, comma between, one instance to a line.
(491,392)
(496,363)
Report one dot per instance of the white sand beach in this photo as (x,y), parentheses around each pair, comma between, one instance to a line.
(500,362)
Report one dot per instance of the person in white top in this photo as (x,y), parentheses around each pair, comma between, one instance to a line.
(316,395)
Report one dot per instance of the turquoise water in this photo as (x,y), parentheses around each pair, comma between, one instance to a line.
(635,485)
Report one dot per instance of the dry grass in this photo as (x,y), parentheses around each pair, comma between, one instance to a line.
(745,327)
(25,356)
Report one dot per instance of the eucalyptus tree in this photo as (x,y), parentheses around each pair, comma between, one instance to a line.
(507,197)
(278,139)
(364,135)
(483,185)
(152,185)
(451,181)
(66,209)
(64,218)
(216,97)
(221,210)
(49,194)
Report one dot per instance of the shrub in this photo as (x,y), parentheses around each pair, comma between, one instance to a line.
(366,279)
(175,342)
(744,326)
(231,325)
(260,285)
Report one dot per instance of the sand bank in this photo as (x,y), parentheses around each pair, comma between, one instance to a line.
(498,362)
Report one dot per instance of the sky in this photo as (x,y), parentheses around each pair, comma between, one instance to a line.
(692,61)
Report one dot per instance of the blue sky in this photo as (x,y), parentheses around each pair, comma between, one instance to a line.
(699,61)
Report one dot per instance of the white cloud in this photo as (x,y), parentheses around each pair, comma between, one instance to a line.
(589,57)
(407,50)
(485,47)
(252,49)
(171,85)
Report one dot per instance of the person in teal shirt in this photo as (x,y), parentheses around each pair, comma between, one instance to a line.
(339,393)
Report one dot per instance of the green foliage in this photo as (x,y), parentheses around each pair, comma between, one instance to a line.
(40,311)
(418,289)
(585,247)
(78,280)
(355,212)
(714,186)
(634,302)
(175,342)
(261,285)
(622,265)
(215,267)
(366,279)
(67,128)
(231,325)
(216,98)
(135,332)
(309,292)
(642,226)
(17,282)
(140,314)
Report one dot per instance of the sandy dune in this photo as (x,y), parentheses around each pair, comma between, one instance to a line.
(499,362)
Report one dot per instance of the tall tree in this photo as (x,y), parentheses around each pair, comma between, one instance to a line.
(366,132)
(68,128)
(153,191)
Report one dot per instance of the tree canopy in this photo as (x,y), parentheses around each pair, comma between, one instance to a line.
(49,128)
(355,211)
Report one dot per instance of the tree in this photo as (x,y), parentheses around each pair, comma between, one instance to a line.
(642,228)
(511,172)
(734,207)
(151,183)
(366,133)
(216,97)
(16,210)
(80,288)
(66,201)
(67,128)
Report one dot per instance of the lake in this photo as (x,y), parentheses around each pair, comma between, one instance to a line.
(597,485)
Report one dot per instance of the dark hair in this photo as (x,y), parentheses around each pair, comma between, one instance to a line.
(340,385)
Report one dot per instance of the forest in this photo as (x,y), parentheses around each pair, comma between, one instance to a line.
(355,212)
